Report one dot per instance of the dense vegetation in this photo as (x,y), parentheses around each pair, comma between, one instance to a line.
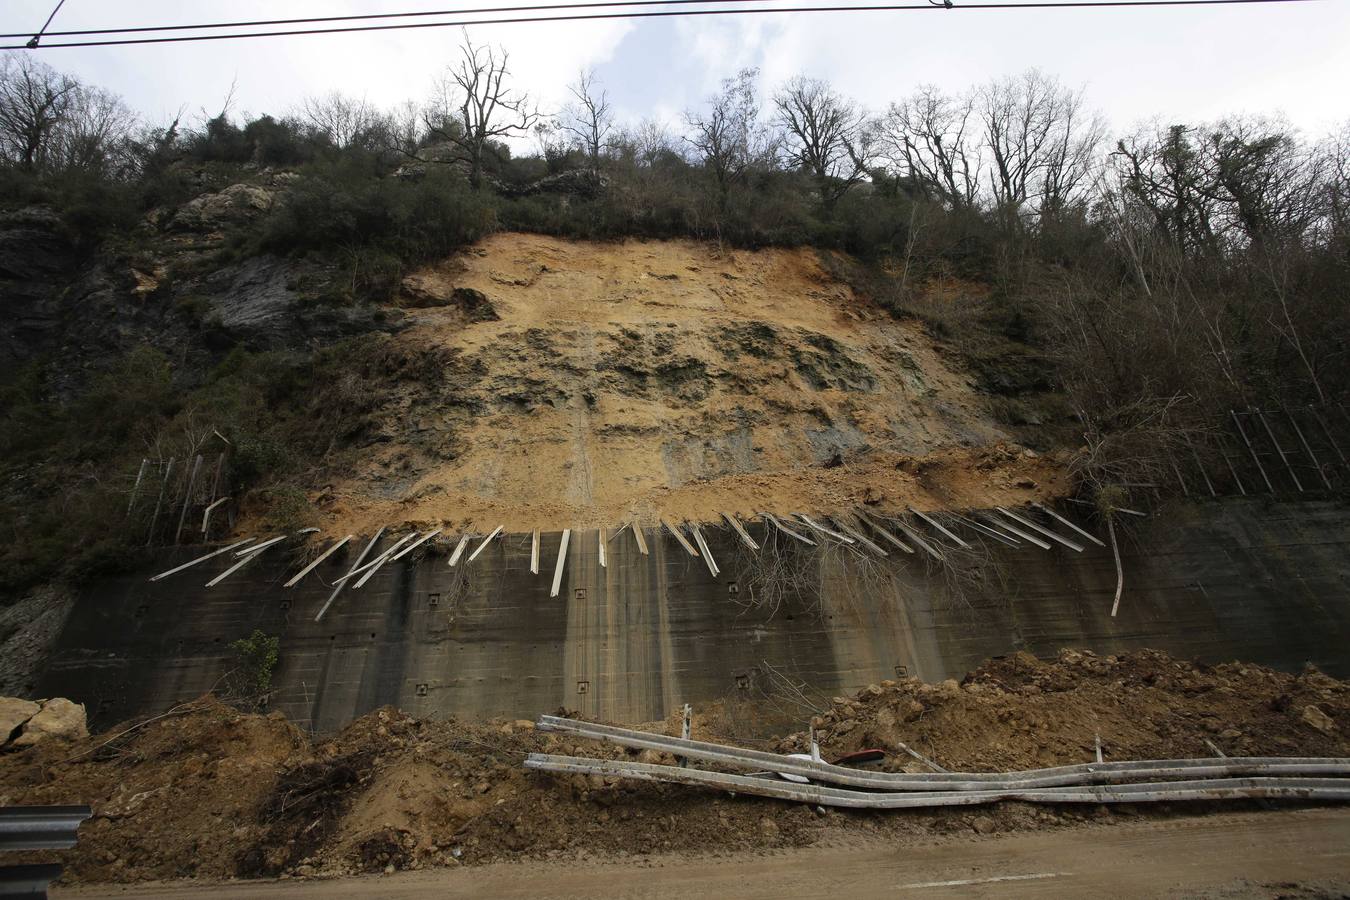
(1163,275)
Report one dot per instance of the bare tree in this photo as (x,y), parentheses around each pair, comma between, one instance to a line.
(1337,154)
(404,128)
(343,120)
(473,107)
(589,118)
(728,136)
(95,134)
(644,145)
(1071,158)
(552,143)
(34,100)
(825,136)
(928,140)
(1040,141)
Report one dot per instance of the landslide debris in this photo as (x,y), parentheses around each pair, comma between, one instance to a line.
(206,791)
(602,382)
(1020,712)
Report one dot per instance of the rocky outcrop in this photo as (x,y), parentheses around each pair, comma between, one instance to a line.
(577,181)
(235,205)
(35,257)
(24,723)
(426,291)
(256,304)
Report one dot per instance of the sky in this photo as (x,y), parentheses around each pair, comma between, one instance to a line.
(1177,64)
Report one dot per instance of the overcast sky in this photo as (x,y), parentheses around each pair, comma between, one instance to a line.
(1179,63)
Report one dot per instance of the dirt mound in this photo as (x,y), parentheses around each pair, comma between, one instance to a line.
(172,799)
(206,791)
(1021,712)
(602,382)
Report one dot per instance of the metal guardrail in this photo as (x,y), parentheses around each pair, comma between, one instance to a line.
(27,882)
(1304,789)
(36,828)
(40,827)
(1031,779)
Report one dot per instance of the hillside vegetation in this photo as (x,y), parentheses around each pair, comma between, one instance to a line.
(244,280)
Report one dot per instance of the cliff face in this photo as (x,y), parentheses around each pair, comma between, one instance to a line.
(525,381)
(580,383)
(167,284)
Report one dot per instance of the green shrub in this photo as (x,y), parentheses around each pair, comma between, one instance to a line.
(256,657)
(288,509)
(346,208)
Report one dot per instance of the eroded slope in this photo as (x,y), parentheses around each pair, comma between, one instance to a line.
(585,384)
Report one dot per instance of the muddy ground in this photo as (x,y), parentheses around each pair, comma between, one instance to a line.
(207,791)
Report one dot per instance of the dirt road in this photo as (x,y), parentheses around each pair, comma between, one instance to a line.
(1257,854)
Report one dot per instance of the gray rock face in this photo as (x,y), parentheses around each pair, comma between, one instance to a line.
(87,312)
(36,259)
(252,301)
(254,304)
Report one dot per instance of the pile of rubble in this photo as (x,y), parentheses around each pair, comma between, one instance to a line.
(207,791)
(1020,712)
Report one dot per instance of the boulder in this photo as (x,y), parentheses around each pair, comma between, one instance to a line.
(55,718)
(13,714)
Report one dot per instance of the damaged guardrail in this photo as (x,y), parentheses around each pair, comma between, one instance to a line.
(1325,789)
(1269,778)
(1081,773)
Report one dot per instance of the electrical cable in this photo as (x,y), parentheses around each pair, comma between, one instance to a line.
(1055,4)
(309,20)
(33,41)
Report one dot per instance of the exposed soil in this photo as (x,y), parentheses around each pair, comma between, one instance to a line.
(209,792)
(585,384)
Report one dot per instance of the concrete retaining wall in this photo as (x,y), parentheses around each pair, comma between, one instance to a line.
(1264,581)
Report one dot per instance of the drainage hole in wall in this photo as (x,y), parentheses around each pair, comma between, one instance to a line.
(742,682)
(433,600)
(732,589)
(583,687)
(422,689)
(581,593)
(901,671)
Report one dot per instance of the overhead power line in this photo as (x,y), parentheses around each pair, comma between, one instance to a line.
(675,13)
(313,20)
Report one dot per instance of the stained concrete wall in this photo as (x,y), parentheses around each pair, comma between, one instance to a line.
(1263,581)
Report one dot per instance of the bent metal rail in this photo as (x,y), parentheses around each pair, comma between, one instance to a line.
(1139,781)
